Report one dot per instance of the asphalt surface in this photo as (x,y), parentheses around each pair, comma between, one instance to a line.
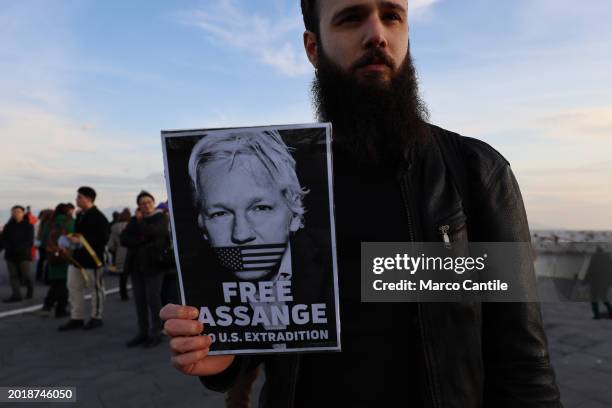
(104,371)
(107,374)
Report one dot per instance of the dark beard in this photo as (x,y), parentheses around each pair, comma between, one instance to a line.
(375,122)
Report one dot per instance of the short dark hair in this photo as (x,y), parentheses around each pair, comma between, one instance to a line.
(87,192)
(144,193)
(20,207)
(310,14)
(70,206)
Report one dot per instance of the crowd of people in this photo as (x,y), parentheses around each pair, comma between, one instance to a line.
(77,249)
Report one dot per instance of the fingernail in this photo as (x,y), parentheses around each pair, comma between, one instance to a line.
(193,313)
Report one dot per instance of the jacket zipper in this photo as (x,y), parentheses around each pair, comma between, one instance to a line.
(444,231)
(404,184)
(404,189)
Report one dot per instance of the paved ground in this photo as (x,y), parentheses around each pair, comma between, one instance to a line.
(107,374)
(581,350)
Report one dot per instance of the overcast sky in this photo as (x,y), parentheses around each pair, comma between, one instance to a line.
(86,87)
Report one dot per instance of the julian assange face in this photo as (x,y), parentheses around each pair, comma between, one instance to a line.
(241,205)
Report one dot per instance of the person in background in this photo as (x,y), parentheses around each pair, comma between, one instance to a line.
(33,221)
(57,261)
(44,218)
(119,251)
(115,218)
(17,240)
(91,228)
(71,209)
(146,236)
(30,216)
(599,279)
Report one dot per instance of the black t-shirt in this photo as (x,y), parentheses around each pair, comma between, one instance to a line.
(377,364)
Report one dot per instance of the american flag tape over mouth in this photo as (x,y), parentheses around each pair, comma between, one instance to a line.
(251,259)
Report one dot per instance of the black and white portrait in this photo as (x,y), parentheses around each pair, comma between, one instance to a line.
(249,201)
(252,212)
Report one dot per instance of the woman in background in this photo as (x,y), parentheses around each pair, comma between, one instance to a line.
(119,251)
(44,217)
(56,257)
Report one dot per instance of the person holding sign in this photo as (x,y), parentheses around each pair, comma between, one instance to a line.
(396,179)
(262,280)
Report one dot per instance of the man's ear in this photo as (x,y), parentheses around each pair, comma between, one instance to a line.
(311,47)
(296,223)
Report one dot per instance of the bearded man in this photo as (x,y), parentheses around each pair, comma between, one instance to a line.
(397,178)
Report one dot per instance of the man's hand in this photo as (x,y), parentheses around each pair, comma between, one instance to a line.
(188,349)
(75,238)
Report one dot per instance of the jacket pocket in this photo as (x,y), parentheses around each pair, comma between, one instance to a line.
(453,228)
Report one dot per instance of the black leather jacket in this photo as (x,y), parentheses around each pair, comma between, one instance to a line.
(474,354)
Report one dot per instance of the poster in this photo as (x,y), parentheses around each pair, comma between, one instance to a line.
(254,238)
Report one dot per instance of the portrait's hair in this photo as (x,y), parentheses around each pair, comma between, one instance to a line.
(310,14)
(18,207)
(87,192)
(142,194)
(266,145)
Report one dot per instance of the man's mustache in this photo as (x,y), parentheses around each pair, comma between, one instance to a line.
(373,56)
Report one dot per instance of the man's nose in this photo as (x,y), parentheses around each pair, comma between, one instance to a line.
(374,33)
(242,232)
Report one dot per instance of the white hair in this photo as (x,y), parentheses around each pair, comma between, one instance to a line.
(265,145)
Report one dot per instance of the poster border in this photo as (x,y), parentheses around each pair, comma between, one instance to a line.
(168,134)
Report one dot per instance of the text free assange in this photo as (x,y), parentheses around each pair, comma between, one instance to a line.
(263,303)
